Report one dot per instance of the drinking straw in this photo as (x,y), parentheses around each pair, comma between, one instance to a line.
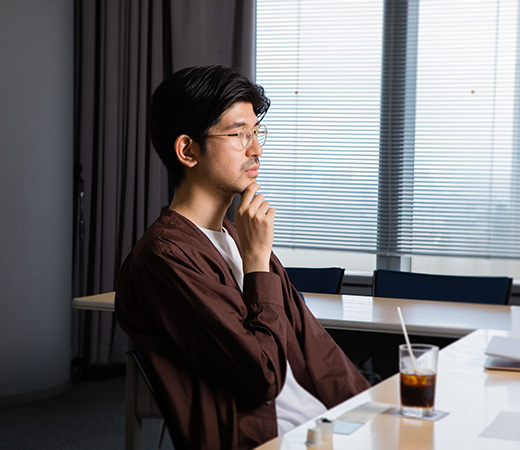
(407,338)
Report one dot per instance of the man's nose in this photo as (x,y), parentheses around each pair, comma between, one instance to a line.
(255,149)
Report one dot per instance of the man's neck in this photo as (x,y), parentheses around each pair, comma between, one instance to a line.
(203,210)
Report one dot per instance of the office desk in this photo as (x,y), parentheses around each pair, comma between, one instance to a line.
(98,302)
(472,396)
(368,329)
(360,313)
(422,317)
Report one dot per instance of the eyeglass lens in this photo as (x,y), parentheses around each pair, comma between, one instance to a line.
(247,135)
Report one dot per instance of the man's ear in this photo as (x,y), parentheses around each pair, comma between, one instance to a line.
(184,149)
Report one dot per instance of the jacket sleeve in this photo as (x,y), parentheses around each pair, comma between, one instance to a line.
(237,340)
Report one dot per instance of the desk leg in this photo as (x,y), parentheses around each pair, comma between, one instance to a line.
(133,426)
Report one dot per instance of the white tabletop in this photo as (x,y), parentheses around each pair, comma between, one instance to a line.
(471,395)
(422,317)
(98,302)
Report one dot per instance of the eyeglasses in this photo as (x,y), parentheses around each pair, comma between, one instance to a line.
(246,135)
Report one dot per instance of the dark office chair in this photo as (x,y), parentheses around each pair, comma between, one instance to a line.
(324,280)
(454,288)
(328,280)
(150,378)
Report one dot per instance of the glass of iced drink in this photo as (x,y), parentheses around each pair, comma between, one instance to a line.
(418,377)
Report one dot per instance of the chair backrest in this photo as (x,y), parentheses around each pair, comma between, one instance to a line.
(146,370)
(454,288)
(150,377)
(325,280)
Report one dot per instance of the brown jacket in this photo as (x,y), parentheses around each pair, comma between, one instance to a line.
(220,354)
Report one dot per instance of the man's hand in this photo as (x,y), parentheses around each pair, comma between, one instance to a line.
(255,226)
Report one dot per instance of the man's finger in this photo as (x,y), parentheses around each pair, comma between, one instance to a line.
(264,207)
(249,193)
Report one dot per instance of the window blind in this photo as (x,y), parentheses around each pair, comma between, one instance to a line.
(464,199)
(320,63)
(394,126)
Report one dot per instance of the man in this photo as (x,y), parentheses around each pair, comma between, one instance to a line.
(238,355)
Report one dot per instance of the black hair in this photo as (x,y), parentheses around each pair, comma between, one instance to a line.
(191,101)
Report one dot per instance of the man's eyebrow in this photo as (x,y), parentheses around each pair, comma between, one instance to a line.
(239,124)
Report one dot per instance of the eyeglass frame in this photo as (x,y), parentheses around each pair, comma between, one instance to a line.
(240,134)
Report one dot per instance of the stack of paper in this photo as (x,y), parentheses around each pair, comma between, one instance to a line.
(504,353)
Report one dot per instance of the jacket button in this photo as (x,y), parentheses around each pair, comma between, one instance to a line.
(268,402)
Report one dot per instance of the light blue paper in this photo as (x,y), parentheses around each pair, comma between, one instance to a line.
(346,427)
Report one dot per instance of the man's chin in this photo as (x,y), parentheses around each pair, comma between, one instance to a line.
(253,180)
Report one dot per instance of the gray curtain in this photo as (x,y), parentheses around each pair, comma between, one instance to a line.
(123,50)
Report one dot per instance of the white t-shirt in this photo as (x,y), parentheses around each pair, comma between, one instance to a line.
(294,404)
(227,247)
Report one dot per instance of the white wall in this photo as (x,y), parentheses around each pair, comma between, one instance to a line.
(300,257)
(36,132)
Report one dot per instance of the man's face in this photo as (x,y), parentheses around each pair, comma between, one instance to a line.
(226,165)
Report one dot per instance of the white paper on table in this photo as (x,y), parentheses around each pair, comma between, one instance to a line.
(504,347)
(353,419)
(505,426)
